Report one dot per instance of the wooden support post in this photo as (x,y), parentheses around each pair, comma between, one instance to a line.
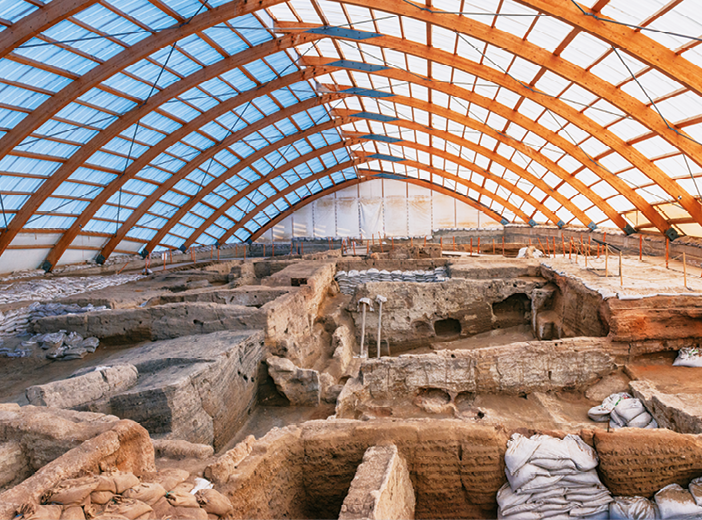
(493,246)
(503,245)
(454,242)
(380,241)
(684,270)
(606,260)
(640,247)
(667,242)
(272,248)
(412,241)
(264,251)
(354,248)
(529,242)
(441,243)
(598,251)
(478,246)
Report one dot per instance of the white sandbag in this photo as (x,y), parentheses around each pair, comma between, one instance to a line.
(527,515)
(601,413)
(507,498)
(585,478)
(675,502)
(554,464)
(632,508)
(589,510)
(584,457)
(689,357)
(695,489)
(627,409)
(526,474)
(615,421)
(640,421)
(519,450)
(652,424)
(540,483)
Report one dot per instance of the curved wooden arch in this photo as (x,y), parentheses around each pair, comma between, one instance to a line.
(131,117)
(315,153)
(303,182)
(116,184)
(183,210)
(462,24)
(352,182)
(40,20)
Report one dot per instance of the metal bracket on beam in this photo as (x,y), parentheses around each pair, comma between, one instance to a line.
(592,226)
(182,248)
(671,234)
(144,253)
(374,117)
(357,65)
(560,224)
(385,157)
(504,221)
(382,138)
(46,266)
(367,92)
(342,32)
(99,259)
(217,245)
(532,222)
(630,230)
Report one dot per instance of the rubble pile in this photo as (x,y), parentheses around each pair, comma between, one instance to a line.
(60,287)
(349,281)
(63,346)
(164,494)
(16,321)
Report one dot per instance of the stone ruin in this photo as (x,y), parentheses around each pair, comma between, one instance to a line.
(239,389)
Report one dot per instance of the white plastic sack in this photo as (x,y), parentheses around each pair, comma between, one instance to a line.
(695,488)
(601,413)
(519,450)
(640,421)
(627,409)
(689,357)
(632,508)
(675,502)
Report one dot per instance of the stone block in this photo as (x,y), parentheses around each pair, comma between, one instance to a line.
(301,386)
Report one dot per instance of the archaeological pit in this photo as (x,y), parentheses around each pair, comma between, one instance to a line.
(253,387)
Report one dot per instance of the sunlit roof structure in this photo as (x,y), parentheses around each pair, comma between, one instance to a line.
(132,125)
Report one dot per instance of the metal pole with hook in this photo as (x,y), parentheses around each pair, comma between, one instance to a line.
(380,300)
(363,304)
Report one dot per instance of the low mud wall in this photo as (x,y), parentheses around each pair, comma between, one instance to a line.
(456,467)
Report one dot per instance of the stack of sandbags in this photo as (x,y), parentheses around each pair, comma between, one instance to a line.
(671,502)
(164,494)
(349,281)
(551,478)
(63,346)
(622,411)
(16,321)
(689,357)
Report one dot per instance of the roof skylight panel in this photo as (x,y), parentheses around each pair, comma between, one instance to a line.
(226,158)
(50,148)
(651,85)
(655,146)
(14,10)
(516,25)
(628,129)
(197,140)
(109,22)
(31,76)
(548,32)
(21,98)
(137,89)
(55,56)
(653,194)
(443,39)
(680,107)
(613,70)
(145,12)
(604,112)
(414,30)
(100,98)
(51,222)
(604,190)
(386,23)
(585,49)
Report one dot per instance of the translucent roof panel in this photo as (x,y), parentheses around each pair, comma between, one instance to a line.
(174,123)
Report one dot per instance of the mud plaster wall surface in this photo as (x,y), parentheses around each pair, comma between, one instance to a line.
(456,467)
(512,369)
(412,308)
(290,324)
